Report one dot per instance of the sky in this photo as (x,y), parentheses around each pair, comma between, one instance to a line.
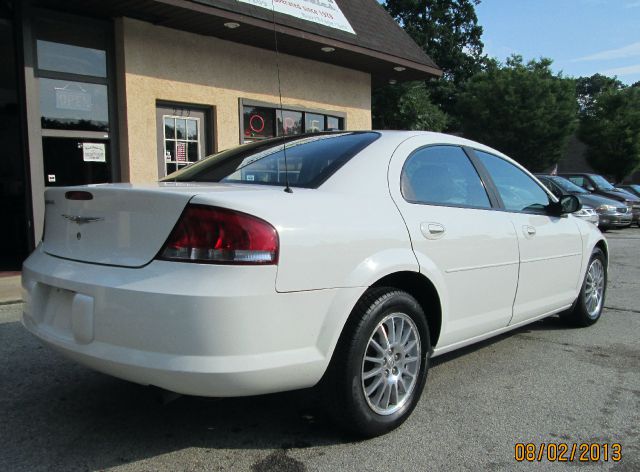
(583,37)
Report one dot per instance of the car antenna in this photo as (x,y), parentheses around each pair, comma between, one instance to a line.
(284,142)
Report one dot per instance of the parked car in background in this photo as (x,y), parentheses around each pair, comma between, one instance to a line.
(631,188)
(610,213)
(352,262)
(598,185)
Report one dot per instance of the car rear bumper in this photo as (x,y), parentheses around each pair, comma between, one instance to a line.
(190,328)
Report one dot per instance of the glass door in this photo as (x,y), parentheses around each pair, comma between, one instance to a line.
(184,136)
(72,67)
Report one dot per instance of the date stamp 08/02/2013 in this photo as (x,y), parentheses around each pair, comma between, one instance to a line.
(568,452)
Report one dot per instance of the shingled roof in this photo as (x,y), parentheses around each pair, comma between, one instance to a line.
(379,47)
(375,28)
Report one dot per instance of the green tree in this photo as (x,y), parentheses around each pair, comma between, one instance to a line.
(406,106)
(448,31)
(612,132)
(588,88)
(524,110)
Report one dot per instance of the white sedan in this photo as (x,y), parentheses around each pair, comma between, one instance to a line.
(347,258)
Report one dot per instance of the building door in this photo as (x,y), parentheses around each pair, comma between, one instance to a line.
(13,187)
(184,136)
(76,102)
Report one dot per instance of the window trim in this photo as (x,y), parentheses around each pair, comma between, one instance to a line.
(494,187)
(493,202)
(243,102)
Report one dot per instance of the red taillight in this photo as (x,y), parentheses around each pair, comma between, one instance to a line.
(220,236)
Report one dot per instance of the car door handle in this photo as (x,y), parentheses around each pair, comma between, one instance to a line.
(529,231)
(432,230)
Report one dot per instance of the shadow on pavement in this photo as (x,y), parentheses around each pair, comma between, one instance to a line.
(57,415)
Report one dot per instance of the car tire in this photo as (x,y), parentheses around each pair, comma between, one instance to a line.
(371,387)
(590,303)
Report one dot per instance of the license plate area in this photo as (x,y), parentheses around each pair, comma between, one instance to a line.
(56,310)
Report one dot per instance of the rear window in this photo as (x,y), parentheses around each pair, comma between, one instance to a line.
(311,160)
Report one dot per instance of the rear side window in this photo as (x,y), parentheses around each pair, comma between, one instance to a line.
(310,160)
(442,175)
(518,191)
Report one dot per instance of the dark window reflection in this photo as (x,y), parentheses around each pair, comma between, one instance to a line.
(73,105)
(192,129)
(193,152)
(169,128)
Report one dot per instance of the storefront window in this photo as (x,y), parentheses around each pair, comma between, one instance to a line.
(334,123)
(72,59)
(290,123)
(258,123)
(313,122)
(73,105)
(263,122)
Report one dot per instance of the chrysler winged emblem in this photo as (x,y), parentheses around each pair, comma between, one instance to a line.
(83,219)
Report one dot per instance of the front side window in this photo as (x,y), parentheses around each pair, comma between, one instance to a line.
(442,175)
(518,191)
(310,160)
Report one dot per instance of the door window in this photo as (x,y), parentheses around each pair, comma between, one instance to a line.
(184,135)
(181,141)
(518,191)
(442,175)
(66,104)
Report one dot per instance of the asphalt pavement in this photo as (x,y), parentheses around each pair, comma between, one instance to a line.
(545,383)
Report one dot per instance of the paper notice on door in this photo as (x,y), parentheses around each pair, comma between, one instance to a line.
(94,152)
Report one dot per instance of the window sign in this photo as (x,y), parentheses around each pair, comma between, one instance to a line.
(94,152)
(323,12)
(258,123)
(73,105)
(73,97)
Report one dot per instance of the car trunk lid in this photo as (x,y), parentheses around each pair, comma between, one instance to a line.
(116,224)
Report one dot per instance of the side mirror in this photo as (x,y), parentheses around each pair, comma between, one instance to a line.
(567,204)
(590,188)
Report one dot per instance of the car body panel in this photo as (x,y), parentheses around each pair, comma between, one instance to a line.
(550,262)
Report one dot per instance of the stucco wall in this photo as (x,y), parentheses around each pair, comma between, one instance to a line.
(158,63)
